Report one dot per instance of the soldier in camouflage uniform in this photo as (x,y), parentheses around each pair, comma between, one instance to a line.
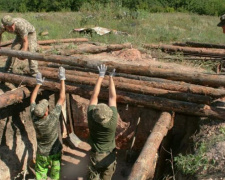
(222,24)
(25,40)
(102,122)
(46,126)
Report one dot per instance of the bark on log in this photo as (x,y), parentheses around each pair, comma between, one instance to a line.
(95,49)
(144,167)
(6,43)
(189,50)
(205,45)
(14,96)
(51,41)
(132,86)
(150,82)
(158,103)
(193,77)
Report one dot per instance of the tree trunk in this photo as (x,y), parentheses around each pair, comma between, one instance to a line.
(205,45)
(14,96)
(149,82)
(133,86)
(189,50)
(161,104)
(83,61)
(144,167)
(95,49)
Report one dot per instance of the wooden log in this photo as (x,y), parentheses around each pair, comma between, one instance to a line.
(128,86)
(51,41)
(144,167)
(14,96)
(95,49)
(6,43)
(149,82)
(205,45)
(159,103)
(54,41)
(213,80)
(200,51)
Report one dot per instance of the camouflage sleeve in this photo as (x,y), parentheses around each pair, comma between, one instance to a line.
(2,29)
(22,30)
(32,106)
(56,111)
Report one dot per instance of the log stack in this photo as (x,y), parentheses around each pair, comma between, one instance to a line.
(164,89)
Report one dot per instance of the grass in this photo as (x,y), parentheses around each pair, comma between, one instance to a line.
(146,28)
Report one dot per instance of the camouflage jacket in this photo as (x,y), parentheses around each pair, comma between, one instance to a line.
(22,27)
(47,131)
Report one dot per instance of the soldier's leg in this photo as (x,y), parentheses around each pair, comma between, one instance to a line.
(16,45)
(110,169)
(33,65)
(55,166)
(41,167)
(93,173)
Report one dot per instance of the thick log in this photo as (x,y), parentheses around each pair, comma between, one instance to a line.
(132,86)
(144,167)
(14,96)
(148,81)
(83,61)
(159,103)
(189,50)
(54,41)
(95,49)
(205,45)
(6,43)
(51,41)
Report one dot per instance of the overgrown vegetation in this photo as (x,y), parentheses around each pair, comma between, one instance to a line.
(207,7)
(203,160)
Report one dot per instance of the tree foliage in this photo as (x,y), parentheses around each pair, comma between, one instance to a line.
(208,7)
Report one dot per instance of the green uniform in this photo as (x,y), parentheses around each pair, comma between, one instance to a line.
(48,144)
(22,28)
(102,141)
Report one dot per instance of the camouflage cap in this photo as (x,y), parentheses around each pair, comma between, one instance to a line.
(102,113)
(41,108)
(7,20)
(222,21)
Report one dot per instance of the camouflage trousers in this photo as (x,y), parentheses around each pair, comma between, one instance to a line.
(42,166)
(32,47)
(102,165)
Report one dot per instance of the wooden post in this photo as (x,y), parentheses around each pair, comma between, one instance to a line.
(144,167)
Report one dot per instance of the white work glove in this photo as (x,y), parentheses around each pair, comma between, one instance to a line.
(62,75)
(102,70)
(112,73)
(39,78)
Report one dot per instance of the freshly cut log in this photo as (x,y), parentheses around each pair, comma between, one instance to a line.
(144,167)
(159,103)
(213,80)
(95,49)
(14,96)
(127,85)
(190,50)
(147,81)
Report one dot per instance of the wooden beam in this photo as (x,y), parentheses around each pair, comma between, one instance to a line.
(213,80)
(132,86)
(147,81)
(159,103)
(144,167)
